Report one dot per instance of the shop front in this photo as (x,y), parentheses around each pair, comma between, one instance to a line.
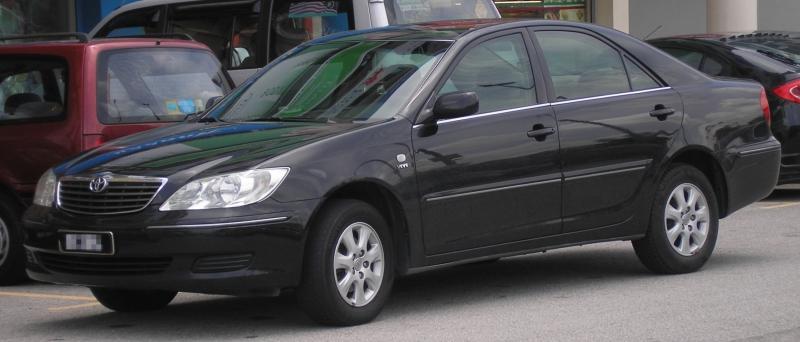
(571,10)
(34,16)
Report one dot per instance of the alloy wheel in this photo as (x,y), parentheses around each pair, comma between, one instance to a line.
(686,219)
(358,264)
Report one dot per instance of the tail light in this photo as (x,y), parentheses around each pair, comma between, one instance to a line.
(765,107)
(91,141)
(789,91)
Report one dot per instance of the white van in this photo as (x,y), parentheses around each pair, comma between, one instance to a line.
(247,34)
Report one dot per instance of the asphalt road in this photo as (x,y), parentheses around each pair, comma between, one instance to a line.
(747,292)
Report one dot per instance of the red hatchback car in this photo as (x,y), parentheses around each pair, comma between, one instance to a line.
(70,94)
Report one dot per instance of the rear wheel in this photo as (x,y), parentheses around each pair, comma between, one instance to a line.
(12,256)
(133,300)
(348,270)
(684,223)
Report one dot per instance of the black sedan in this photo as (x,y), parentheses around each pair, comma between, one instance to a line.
(369,155)
(772,59)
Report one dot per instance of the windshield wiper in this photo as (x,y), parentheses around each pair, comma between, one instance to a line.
(152,111)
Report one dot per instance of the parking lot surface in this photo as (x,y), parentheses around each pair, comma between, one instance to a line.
(748,291)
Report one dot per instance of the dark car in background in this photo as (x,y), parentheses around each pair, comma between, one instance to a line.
(772,59)
(64,94)
(353,160)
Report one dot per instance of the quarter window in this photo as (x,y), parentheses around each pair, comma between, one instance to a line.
(32,89)
(640,80)
(582,66)
(499,71)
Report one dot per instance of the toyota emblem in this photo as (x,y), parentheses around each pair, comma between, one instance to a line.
(98,184)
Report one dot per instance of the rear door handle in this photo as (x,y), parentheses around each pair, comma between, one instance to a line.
(661,112)
(541,133)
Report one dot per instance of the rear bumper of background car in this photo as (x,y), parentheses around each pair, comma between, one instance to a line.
(753,173)
(257,255)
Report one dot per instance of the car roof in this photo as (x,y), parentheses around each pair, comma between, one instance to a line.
(115,43)
(448,30)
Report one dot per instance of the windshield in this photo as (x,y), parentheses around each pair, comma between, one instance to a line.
(419,11)
(781,49)
(335,82)
(156,85)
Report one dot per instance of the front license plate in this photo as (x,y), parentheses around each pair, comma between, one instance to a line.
(89,243)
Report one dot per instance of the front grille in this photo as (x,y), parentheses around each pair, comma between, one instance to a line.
(103,265)
(124,194)
(222,263)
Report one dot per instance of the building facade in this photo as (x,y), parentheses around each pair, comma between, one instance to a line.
(640,18)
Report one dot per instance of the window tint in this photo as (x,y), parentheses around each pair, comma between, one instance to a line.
(296,22)
(418,11)
(640,80)
(211,29)
(32,88)
(156,85)
(691,58)
(134,23)
(581,65)
(499,71)
(712,67)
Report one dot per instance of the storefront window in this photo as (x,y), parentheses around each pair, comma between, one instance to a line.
(33,16)
(571,10)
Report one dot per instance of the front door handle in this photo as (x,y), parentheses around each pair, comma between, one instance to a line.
(539,132)
(661,112)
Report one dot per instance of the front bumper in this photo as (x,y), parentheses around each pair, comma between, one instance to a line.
(222,252)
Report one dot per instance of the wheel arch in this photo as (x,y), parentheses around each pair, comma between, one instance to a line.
(705,161)
(377,194)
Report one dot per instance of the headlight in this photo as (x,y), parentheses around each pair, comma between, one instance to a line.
(46,189)
(227,191)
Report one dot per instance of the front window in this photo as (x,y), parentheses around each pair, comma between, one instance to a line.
(32,88)
(156,85)
(345,81)
(419,11)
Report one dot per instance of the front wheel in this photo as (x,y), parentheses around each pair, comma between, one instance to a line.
(683,225)
(133,300)
(12,257)
(348,269)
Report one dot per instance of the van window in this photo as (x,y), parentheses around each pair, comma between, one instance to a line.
(418,11)
(134,23)
(31,88)
(294,22)
(156,85)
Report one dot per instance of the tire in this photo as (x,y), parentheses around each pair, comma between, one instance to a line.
(318,294)
(12,254)
(133,300)
(674,242)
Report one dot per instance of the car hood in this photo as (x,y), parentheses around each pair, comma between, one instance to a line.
(210,146)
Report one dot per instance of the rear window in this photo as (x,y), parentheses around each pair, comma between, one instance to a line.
(780,49)
(418,11)
(156,85)
(32,88)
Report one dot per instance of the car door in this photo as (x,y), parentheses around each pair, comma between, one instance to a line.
(35,130)
(616,122)
(482,180)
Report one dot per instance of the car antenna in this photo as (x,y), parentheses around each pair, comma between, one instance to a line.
(653,32)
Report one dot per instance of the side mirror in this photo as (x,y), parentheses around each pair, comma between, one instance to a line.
(454,105)
(212,102)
